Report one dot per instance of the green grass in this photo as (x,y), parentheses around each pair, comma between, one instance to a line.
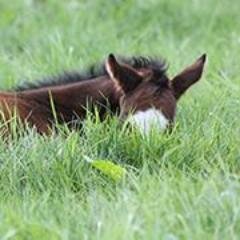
(179,186)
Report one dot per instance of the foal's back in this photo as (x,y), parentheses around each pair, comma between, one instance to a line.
(14,105)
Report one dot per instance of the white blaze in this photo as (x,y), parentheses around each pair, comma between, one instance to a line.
(146,120)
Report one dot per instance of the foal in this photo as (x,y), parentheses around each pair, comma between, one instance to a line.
(137,85)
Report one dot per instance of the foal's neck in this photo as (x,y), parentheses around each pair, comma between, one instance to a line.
(71,100)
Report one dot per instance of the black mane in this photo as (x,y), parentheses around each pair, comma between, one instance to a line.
(157,65)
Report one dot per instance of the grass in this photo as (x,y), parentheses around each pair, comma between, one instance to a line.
(179,186)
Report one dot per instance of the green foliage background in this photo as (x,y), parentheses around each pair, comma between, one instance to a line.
(179,186)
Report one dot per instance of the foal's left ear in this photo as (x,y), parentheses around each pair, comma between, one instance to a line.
(124,76)
(188,76)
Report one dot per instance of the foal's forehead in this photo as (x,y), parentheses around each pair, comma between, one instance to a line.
(148,92)
(154,85)
(151,96)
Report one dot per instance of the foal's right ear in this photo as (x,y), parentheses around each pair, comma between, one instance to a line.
(124,76)
(188,76)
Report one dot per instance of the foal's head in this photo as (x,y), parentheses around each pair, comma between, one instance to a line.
(148,94)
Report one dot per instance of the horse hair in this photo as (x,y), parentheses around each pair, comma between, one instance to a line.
(158,65)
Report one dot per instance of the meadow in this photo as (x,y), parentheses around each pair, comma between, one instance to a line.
(183,185)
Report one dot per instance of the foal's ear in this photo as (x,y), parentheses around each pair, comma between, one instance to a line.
(188,76)
(124,76)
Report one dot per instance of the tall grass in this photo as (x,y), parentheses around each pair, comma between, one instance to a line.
(183,185)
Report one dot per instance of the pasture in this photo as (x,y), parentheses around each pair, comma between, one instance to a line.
(182,185)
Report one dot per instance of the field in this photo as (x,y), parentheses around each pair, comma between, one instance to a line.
(183,185)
